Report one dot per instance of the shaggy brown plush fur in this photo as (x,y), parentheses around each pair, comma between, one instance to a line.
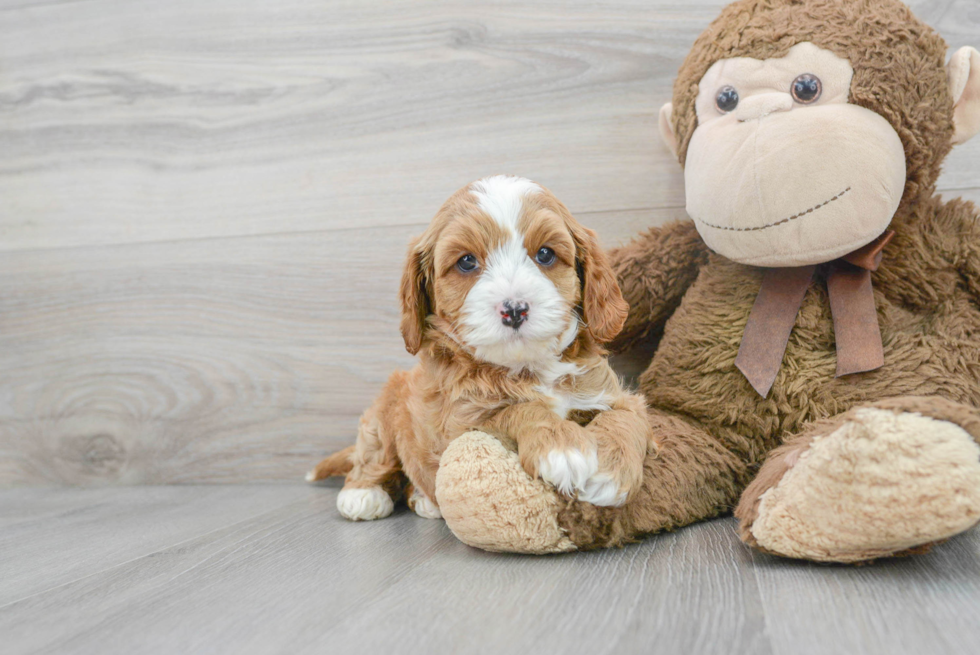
(716,430)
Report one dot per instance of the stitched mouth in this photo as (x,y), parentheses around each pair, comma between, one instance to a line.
(780,222)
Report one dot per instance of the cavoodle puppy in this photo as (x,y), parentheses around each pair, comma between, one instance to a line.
(506,299)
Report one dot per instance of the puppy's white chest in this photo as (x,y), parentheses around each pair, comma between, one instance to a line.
(562,399)
(564,402)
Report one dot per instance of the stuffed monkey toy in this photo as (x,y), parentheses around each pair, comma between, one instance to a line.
(817,322)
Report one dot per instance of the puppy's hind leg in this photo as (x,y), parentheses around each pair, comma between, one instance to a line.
(375,480)
(354,502)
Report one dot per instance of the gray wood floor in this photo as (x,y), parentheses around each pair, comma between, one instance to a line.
(275,569)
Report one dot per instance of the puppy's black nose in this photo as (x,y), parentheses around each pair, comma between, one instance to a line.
(513,314)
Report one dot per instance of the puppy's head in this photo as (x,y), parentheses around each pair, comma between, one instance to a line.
(508,268)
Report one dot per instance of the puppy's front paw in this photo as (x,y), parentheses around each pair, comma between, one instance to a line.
(564,456)
(364,504)
(573,462)
(623,441)
(576,473)
(603,490)
(620,473)
(568,470)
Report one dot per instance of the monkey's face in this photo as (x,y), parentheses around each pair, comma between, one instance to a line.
(782,170)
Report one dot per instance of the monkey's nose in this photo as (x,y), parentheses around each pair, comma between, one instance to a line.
(513,313)
(762,104)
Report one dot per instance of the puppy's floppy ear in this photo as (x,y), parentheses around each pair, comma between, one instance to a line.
(414,296)
(602,301)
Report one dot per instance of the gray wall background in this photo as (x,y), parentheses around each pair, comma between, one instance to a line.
(204,205)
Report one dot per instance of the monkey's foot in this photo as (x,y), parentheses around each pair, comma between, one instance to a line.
(888,479)
(490,502)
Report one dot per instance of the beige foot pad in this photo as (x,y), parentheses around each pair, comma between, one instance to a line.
(490,502)
(880,484)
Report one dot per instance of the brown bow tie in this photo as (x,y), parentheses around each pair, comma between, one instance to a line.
(852,305)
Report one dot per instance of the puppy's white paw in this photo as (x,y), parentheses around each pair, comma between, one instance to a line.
(568,470)
(364,504)
(575,473)
(603,491)
(424,507)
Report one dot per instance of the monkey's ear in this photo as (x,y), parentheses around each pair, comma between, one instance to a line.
(667,127)
(963,73)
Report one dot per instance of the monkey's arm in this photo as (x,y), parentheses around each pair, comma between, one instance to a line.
(654,271)
(945,235)
(970,266)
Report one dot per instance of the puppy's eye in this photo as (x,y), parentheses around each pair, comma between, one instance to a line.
(467,263)
(727,99)
(545,257)
(806,89)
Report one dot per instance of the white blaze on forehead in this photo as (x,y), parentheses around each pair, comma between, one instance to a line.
(502,197)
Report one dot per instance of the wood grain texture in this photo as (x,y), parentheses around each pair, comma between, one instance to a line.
(274,569)
(67,536)
(142,121)
(925,604)
(621,601)
(204,205)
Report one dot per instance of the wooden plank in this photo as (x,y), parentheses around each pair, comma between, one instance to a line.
(140,121)
(275,569)
(687,592)
(146,121)
(924,604)
(218,361)
(253,587)
(301,579)
(55,537)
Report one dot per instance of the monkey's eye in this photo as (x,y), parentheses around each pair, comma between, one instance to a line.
(806,89)
(727,99)
(467,263)
(545,257)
